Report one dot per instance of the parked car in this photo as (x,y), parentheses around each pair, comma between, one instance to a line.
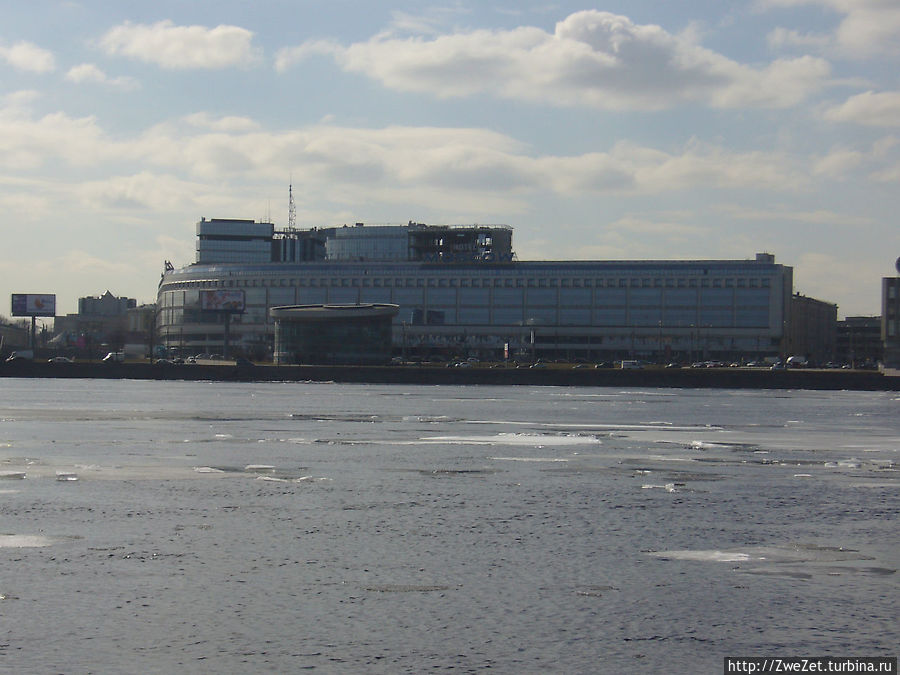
(60,359)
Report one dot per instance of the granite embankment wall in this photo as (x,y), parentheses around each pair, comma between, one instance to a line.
(730,378)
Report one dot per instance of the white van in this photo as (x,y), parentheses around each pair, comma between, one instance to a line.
(631,365)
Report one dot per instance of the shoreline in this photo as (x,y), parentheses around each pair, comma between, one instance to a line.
(713,378)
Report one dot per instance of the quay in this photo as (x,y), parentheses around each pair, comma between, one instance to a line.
(481,374)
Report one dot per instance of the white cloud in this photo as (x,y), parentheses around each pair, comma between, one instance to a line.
(841,161)
(426,22)
(836,279)
(782,37)
(838,163)
(784,214)
(290,56)
(225,124)
(28,143)
(890,175)
(183,47)
(30,200)
(870,108)
(137,193)
(28,56)
(91,74)
(461,162)
(868,27)
(77,273)
(420,163)
(16,102)
(593,59)
(703,165)
(669,229)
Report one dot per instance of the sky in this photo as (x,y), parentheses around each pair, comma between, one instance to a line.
(627,130)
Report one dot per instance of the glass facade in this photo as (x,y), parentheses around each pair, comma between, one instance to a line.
(655,309)
(368,243)
(321,335)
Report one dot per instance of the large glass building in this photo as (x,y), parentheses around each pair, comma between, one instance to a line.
(461,292)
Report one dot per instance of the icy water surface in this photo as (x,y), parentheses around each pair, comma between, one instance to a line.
(160,527)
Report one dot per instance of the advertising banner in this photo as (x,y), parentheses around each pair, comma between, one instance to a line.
(31,304)
(222,301)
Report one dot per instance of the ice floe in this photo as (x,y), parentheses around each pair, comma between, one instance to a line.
(668,487)
(703,556)
(529,459)
(798,561)
(24,540)
(514,439)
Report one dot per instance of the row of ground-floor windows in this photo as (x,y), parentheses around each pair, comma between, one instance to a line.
(696,340)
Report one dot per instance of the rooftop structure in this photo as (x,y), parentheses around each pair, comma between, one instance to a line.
(247,241)
(222,240)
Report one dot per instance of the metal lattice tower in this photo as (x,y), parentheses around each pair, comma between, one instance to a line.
(292,208)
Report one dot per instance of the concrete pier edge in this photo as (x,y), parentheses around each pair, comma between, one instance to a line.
(728,378)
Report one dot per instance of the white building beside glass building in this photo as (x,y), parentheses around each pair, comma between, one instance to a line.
(462,292)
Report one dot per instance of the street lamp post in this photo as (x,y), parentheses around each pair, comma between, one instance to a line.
(691,355)
(403,338)
(659,349)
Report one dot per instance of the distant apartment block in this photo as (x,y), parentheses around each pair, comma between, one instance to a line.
(13,336)
(859,340)
(100,320)
(813,329)
(105,305)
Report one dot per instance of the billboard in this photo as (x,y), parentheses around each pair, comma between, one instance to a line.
(222,301)
(31,304)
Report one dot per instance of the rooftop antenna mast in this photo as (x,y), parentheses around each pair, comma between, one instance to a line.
(292,208)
